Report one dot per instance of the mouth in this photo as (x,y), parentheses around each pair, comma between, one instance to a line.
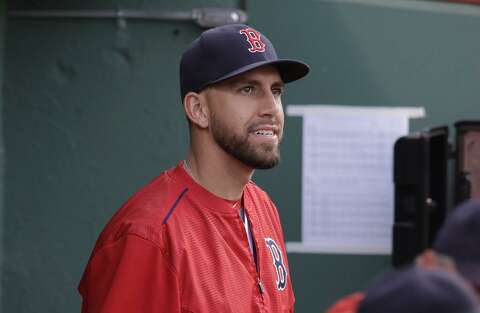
(265,132)
(264,129)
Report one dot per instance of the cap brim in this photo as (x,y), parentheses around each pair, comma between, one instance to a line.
(290,70)
(470,270)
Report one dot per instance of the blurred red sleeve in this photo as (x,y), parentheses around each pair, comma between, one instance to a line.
(347,304)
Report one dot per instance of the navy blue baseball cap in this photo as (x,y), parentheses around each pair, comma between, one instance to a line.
(417,290)
(459,238)
(226,51)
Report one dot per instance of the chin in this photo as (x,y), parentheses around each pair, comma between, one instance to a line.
(266,165)
(262,162)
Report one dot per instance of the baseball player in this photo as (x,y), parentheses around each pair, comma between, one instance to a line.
(418,290)
(202,237)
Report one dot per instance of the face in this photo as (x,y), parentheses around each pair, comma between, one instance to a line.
(246,116)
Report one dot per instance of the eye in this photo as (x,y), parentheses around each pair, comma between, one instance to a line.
(277,91)
(247,89)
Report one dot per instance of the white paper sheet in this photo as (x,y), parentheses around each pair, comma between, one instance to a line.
(347,182)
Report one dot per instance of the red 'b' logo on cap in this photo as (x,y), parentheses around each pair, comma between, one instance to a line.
(253,38)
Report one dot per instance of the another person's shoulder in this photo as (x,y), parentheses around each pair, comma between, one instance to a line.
(414,289)
(347,304)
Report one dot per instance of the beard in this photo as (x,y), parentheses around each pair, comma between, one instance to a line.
(262,156)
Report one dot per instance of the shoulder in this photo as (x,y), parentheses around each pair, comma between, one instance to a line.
(257,195)
(347,304)
(145,212)
(257,199)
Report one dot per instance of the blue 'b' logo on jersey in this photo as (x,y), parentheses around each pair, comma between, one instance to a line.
(277,263)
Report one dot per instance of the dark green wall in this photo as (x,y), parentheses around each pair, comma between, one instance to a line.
(92,113)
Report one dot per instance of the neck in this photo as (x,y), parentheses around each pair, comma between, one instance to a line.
(219,173)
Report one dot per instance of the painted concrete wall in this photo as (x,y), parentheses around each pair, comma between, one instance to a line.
(92,112)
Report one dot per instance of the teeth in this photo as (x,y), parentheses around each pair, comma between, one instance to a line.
(264,132)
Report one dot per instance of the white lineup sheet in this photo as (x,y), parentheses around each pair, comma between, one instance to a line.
(347,178)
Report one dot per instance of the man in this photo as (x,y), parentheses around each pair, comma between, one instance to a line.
(456,249)
(417,290)
(202,237)
(459,239)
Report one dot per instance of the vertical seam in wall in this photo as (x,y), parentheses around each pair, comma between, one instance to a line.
(3,14)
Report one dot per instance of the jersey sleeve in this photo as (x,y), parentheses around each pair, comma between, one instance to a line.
(347,304)
(130,275)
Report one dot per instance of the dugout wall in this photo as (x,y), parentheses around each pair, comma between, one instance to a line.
(92,112)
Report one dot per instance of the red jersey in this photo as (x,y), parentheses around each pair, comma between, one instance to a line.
(176,247)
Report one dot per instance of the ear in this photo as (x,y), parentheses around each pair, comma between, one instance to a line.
(427,259)
(430,259)
(196,109)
